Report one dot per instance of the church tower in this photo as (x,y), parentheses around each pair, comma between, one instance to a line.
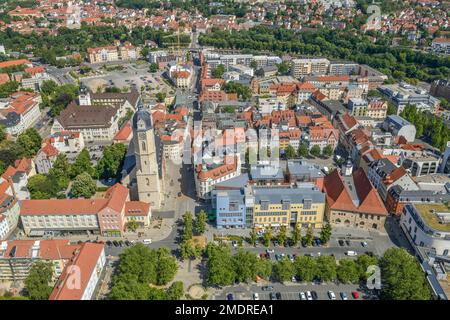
(147,176)
(84,97)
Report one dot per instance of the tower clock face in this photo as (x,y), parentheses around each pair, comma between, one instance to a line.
(141,135)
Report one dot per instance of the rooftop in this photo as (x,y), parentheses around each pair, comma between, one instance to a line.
(428,214)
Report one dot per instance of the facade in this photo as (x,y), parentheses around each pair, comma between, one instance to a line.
(421,164)
(104,216)
(307,67)
(116,52)
(230,209)
(45,158)
(9,209)
(427,225)
(441,45)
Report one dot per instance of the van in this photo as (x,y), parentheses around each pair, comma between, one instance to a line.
(147,241)
(351,253)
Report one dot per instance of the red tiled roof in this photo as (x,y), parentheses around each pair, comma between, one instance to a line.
(12,63)
(339,198)
(84,265)
(137,208)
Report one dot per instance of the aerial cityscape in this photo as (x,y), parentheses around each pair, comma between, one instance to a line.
(224,150)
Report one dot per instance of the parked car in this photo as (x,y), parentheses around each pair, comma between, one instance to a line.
(278,295)
(302,296)
(115,243)
(270,251)
(109,243)
(255,296)
(343,296)
(351,253)
(294,279)
(267,288)
(314,295)
(273,296)
(230,296)
(364,244)
(234,243)
(127,243)
(331,295)
(308,295)
(341,243)
(347,242)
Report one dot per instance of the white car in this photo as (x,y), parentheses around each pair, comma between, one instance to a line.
(364,244)
(302,296)
(147,241)
(293,279)
(308,295)
(331,295)
(351,253)
(270,250)
(255,296)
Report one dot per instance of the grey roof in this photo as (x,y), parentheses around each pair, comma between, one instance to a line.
(303,168)
(233,195)
(143,115)
(383,166)
(260,172)
(294,195)
(236,182)
(397,121)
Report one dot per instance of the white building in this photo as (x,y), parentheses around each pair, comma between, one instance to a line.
(20,112)
(427,225)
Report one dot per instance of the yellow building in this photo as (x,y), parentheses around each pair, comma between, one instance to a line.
(285,206)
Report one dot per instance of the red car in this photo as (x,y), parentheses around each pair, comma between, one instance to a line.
(355,295)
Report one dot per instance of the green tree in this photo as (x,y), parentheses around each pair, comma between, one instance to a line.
(129,289)
(325,233)
(303,150)
(283,68)
(219,265)
(166,266)
(189,251)
(290,152)
(42,186)
(315,150)
(187,226)
(347,271)
(82,164)
(244,264)
(363,262)
(283,270)
(281,237)
(253,65)
(38,281)
(326,268)
(61,171)
(200,222)
(327,151)
(263,268)
(160,97)
(2,133)
(267,237)
(154,68)
(132,225)
(296,235)
(305,267)
(218,71)
(83,186)
(309,237)
(253,237)
(111,161)
(175,291)
(402,276)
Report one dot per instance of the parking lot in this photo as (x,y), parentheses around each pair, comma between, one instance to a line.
(291,291)
(132,75)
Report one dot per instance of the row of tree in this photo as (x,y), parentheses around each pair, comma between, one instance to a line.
(401,275)
(294,239)
(188,248)
(140,270)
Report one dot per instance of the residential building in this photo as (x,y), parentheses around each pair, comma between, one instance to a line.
(114,52)
(20,111)
(441,45)
(441,88)
(105,216)
(307,67)
(421,164)
(427,225)
(45,158)
(87,264)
